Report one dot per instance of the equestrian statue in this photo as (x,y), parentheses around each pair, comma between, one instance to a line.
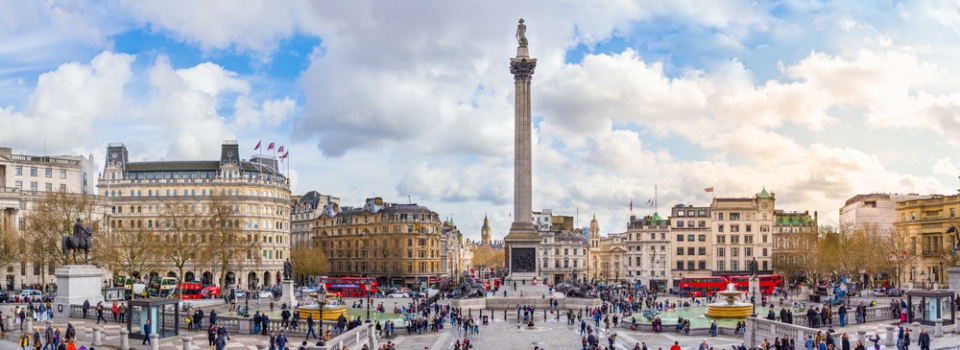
(81,239)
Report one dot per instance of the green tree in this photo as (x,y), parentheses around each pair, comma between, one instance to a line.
(309,260)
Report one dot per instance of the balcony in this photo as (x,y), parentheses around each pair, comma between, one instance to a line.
(935,252)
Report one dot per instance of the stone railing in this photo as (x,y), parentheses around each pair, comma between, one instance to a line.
(876,313)
(353,339)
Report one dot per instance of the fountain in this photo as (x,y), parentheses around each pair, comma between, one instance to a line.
(331,311)
(730,307)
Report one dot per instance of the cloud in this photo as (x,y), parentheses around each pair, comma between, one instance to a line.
(67,102)
(945,167)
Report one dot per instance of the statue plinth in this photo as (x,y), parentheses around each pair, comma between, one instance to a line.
(76,284)
(287,292)
(523,52)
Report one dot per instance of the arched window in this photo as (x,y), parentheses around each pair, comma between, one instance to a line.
(139,209)
(139,194)
(149,223)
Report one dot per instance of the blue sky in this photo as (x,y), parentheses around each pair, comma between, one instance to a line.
(821,100)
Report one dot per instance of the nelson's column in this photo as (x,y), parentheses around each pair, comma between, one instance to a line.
(522,241)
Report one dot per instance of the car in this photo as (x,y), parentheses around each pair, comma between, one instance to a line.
(210,292)
(265,294)
(3,296)
(893,292)
(397,295)
(33,294)
(239,294)
(50,296)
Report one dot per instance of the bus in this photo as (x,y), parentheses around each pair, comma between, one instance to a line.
(768,283)
(191,291)
(161,286)
(349,287)
(702,286)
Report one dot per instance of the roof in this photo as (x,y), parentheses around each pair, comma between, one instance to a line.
(192,165)
(764,194)
(393,209)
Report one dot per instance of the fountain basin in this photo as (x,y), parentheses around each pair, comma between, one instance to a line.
(723,310)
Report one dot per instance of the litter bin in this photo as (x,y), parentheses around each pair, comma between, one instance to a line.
(814,298)
(484,319)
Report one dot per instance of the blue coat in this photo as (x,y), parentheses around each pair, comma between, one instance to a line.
(146,329)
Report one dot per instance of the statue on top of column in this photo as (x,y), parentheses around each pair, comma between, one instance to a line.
(521,34)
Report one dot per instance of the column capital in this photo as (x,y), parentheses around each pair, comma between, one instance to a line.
(522,68)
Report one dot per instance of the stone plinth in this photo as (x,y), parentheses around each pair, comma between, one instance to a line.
(287,291)
(953,273)
(76,284)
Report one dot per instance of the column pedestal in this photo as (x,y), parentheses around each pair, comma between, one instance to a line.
(76,284)
(287,291)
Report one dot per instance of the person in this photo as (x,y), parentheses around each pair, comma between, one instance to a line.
(876,341)
(100,313)
(71,332)
(924,340)
(809,343)
(264,322)
(842,312)
(703,345)
(220,343)
(900,337)
(676,346)
(212,335)
(116,311)
(282,340)
(146,332)
(48,338)
(311,323)
(906,339)
(86,306)
(713,329)
(256,322)
(123,312)
(24,341)
(845,342)
(273,340)
(36,338)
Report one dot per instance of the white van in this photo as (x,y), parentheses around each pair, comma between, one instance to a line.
(32,293)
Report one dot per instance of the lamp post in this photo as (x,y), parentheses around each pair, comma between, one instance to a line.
(753,299)
(368,311)
(923,275)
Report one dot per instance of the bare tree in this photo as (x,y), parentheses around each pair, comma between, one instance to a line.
(179,234)
(52,218)
(309,260)
(900,251)
(132,250)
(226,243)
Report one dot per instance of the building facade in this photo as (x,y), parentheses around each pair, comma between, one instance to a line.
(141,192)
(693,252)
(305,210)
(794,233)
(562,255)
(930,225)
(23,181)
(874,211)
(648,257)
(397,243)
(607,260)
(742,232)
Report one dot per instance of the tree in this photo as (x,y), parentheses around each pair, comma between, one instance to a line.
(133,251)
(179,235)
(485,257)
(900,251)
(226,244)
(52,218)
(309,260)
(389,251)
(9,251)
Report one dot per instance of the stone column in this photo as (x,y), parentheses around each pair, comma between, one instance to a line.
(29,324)
(124,339)
(372,337)
(938,332)
(862,335)
(96,335)
(890,336)
(186,342)
(154,341)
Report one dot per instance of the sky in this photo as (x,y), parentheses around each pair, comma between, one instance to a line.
(816,101)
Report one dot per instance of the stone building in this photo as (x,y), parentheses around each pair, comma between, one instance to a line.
(23,181)
(693,251)
(607,255)
(562,255)
(742,231)
(140,192)
(648,257)
(874,211)
(931,226)
(794,233)
(398,243)
(452,247)
(305,210)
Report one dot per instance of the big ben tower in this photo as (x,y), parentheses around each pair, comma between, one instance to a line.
(485,232)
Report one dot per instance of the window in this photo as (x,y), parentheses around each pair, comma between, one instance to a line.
(735,265)
(764,265)
(690,251)
(720,252)
(48,173)
(19,185)
(679,238)
(679,212)
(720,228)
(702,251)
(702,238)
(721,239)
(689,223)
(734,228)
(702,265)
(952,212)
(690,238)
(720,264)
(680,265)
(33,186)
(720,216)
(764,254)
(691,265)
(748,251)
(734,251)
(19,170)
(734,239)
(702,223)
(734,216)
(701,213)
(679,223)
(679,250)
(763,238)
(63,173)
(748,239)
(749,228)
(913,216)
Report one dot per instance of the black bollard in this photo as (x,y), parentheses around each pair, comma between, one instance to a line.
(504,314)
(470,312)
(544,315)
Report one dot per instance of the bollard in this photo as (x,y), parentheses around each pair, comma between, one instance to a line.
(862,335)
(505,316)
(96,336)
(890,336)
(186,342)
(916,328)
(154,341)
(544,315)
(469,312)
(262,346)
(124,339)
(938,332)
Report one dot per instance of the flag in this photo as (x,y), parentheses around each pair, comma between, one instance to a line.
(904,253)
(270,146)
(258,145)
(285,155)
(649,201)
(893,256)
(708,189)
(280,150)
(631,205)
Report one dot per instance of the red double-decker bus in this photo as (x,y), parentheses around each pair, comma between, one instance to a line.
(350,287)
(702,286)
(768,283)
